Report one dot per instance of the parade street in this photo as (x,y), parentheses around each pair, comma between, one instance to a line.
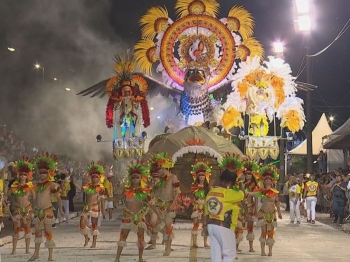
(305,242)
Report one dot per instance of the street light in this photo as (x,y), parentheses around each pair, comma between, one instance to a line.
(278,48)
(304,25)
(331,119)
(11,49)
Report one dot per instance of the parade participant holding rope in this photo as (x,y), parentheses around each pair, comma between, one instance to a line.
(21,191)
(94,207)
(44,214)
(136,196)
(267,219)
(201,173)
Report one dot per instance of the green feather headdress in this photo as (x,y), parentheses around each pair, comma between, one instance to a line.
(162,160)
(231,162)
(25,166)
(269,171)
(138,168)
(199,167)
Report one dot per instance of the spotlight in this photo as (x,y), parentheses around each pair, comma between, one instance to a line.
(98,138)
(144,134)
(158,117)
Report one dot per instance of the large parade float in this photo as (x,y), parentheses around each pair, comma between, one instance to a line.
(215,70)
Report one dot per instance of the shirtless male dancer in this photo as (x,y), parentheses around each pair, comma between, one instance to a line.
(136,197)
(43,211)
(21,192)
(165,196)
(94,207)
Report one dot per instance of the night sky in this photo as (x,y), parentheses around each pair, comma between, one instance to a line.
(75,41)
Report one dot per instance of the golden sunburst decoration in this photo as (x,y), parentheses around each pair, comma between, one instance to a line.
(153,22)
(197,36)
(196,7)
(241,21)
(250,47)
(145,55)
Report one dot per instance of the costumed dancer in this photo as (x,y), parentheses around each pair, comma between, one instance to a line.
(94,206)
(21,192)
(201,173)
(250,184)
(136,196)
(267,219)
(234,164)
(166,194)
(294,200)
(44,214)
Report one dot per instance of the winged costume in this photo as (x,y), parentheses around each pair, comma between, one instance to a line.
(127,96)
(197,53)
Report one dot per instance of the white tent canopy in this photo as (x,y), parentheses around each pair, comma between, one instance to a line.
(335,158)
(322,129)
(345,128)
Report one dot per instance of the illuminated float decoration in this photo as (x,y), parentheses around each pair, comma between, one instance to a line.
(197,54)
(262,92)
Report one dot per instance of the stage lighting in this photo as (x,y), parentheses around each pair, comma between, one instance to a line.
(98,138)
(144,134)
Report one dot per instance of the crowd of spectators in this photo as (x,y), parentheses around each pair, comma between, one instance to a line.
(327,183)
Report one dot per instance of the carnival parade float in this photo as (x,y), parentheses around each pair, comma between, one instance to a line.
(215,69)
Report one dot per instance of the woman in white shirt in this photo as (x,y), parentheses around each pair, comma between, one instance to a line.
(294,200)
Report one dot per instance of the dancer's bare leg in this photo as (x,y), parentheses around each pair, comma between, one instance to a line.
(38,241)
(124,233)
(83,228)
(94,227)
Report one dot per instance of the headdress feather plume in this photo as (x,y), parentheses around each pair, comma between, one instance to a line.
(196,7)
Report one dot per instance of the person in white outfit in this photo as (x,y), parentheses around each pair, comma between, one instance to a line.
(310,195)
(294,200)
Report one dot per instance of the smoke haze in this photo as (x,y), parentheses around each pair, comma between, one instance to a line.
(73,42)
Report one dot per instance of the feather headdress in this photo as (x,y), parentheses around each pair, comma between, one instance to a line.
(47,162)
(24,165)
(201,167)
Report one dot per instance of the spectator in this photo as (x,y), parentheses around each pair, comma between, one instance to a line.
(71,193)
(109,204)
(339,199)
(65,187)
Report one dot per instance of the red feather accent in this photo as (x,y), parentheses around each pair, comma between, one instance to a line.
(109,113)
(145,113)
